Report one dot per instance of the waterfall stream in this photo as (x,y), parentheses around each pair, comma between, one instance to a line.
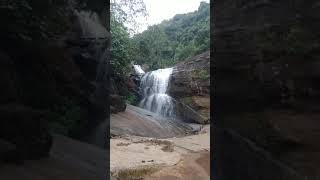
(138,70)
(153,88)
(158,114)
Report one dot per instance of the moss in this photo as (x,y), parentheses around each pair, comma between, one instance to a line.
(187,100)
(204,75)
(201,74)
(191,103)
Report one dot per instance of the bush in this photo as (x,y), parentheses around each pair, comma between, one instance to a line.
(130,98)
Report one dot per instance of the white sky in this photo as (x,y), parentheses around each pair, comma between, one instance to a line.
(160,10)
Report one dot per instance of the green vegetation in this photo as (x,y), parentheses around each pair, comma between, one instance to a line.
(120,48)
(188,101)
(162,45)
(126,12)
(123,12)
(202,74)
(172,41)
(130,98)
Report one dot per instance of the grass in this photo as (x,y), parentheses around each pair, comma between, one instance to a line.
(135,174)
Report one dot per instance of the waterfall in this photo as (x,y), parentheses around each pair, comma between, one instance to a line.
(153,88)
(138,70)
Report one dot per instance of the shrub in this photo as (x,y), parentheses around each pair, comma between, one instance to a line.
(132,99)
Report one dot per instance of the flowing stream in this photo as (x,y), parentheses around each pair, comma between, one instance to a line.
(153,88)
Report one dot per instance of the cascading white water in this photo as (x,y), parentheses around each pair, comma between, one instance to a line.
(154,86)
(138,70)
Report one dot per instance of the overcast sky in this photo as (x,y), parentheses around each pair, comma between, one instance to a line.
(160,10)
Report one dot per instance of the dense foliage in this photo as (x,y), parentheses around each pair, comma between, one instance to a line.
(126,12)
(174,40)
(162,45)
(123,12)
(120,48)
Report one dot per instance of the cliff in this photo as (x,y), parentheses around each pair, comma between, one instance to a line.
(53,73)
(267,59)
(190,85)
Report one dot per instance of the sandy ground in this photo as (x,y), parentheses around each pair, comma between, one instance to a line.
(192,166)
(188,159)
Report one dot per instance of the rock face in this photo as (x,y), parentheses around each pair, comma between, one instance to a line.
(119,88)
(140,122)
(90,53)
(122,87)
(268,50)
(50,79)
(190,86)
(266,59)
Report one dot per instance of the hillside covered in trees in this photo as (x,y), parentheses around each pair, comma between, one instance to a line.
(162,45)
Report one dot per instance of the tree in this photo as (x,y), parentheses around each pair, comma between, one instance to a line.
(174,40)
(120,48)
(126,12)
(123,12)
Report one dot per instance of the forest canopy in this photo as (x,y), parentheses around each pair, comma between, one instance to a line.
(162,45)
